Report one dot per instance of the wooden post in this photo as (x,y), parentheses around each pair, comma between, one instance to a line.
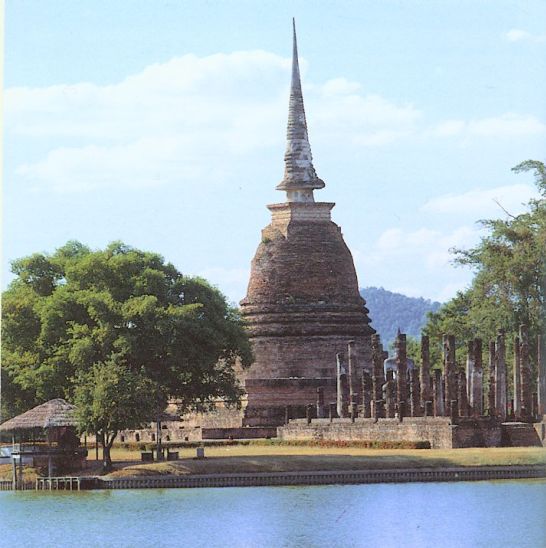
(21,476)
(14,473)
(159,449)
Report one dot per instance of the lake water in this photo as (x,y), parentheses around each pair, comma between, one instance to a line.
(473,514)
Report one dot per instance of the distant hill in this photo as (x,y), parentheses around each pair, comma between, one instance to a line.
(390,311)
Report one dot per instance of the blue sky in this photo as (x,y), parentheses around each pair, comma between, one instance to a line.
(161,123)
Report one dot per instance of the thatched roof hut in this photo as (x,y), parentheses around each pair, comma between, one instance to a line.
(52,414)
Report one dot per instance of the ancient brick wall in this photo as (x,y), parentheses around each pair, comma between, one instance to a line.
(238,433)
(481,432)
(436,431)
(289,392)
(439,432)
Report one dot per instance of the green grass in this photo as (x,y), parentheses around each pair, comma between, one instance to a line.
(236,459)
(274,457)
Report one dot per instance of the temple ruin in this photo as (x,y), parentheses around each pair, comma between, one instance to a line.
(442,410)
(303,303)
(321,371)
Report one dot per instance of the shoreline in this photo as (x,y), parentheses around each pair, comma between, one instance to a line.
(262,479)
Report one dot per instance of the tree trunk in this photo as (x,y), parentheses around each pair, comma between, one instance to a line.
(159,448)
(107,441)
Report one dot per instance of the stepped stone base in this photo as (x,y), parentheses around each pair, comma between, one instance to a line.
(269,398)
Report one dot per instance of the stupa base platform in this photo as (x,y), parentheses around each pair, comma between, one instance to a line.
(269,400)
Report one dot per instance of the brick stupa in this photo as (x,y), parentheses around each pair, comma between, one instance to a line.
(302,305)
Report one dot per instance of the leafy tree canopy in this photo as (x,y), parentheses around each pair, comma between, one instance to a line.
(69,312)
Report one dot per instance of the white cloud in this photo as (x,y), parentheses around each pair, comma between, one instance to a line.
(430,247)
(220,93)
(188,120)
(518,35)
(483,202)
(449,128)
(365,120)
(507,125)
(339,86)
(150,162)
(192,120)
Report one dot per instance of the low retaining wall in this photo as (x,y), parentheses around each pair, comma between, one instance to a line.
(440,432)
(325,478)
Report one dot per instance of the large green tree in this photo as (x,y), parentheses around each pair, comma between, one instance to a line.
(76,308)
(509,286)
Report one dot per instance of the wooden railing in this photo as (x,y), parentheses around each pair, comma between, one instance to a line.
(58,484)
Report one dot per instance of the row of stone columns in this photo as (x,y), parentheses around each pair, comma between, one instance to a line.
(423,391)
(522,403)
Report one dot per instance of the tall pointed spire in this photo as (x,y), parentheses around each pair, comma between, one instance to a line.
(300,178)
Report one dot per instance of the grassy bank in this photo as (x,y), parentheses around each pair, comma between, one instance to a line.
(236,459)
(275,457)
